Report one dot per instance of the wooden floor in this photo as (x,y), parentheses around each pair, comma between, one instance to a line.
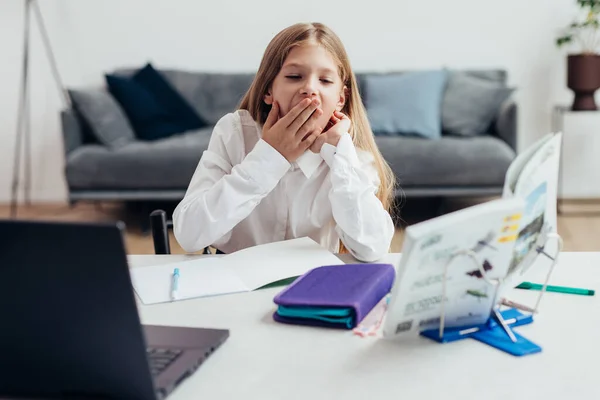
(579,232)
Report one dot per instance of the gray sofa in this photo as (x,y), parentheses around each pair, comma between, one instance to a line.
(161,170)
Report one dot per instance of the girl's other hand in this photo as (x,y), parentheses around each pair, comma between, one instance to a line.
(339,124)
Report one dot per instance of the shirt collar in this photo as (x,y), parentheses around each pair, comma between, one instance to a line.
(309,162)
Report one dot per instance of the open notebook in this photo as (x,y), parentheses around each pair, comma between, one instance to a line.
(242,271)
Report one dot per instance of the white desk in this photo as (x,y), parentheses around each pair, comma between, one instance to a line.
(263,359)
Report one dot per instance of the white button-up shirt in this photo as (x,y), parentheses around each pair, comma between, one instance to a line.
(245,193)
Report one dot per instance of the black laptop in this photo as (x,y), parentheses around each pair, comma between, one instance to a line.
(69,322)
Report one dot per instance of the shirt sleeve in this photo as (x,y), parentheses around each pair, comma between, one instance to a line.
(223,192)
(364,226)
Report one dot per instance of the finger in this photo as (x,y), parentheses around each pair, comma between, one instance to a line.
(343,117)
(318,131)
(312,138)
(295,111)
(273,115)
(310,125)
(329,125)
(304,115)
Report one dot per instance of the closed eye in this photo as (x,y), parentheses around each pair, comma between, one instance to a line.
(294,77)
(326,81)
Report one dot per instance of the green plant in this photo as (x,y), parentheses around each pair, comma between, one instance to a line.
(584,32)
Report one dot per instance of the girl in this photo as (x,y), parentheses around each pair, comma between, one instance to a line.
(296,159)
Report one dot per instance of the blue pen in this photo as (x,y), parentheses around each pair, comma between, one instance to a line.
(175,284)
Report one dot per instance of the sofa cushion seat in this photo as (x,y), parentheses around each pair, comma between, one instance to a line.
(449,161)
(163,164)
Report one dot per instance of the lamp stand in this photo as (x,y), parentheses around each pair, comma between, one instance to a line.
(23,134)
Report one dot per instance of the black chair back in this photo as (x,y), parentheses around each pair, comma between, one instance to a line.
(160,231)
(160,226)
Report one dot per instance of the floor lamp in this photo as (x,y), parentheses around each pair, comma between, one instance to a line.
(23,134)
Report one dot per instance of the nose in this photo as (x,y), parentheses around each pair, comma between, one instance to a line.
(309,88)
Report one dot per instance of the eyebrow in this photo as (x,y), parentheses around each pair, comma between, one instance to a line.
(297,65)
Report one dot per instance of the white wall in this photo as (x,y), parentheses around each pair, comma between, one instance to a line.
(93,36)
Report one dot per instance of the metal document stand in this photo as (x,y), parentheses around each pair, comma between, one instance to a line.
(503,320)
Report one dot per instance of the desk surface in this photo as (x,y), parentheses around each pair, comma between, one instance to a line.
(267,360)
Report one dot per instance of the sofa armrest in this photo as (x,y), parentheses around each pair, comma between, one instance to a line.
(71,130)
(506,123)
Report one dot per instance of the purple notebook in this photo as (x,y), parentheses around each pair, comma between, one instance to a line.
(334,295)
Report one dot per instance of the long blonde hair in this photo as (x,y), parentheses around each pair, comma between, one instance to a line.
(271,63)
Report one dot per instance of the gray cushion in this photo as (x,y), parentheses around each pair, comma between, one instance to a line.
(104,116)
(470,103)
(452,161)
(494,75)
(211,94)
(163,164)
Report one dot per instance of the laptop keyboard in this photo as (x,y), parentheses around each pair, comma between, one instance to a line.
(160,358)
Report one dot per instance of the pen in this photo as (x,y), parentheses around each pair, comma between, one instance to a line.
(557,289)
(175,284)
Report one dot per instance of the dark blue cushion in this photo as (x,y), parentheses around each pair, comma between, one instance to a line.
(169,97)
(154,108)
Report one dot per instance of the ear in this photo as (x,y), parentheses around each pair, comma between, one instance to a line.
(268,98)
(342,100)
